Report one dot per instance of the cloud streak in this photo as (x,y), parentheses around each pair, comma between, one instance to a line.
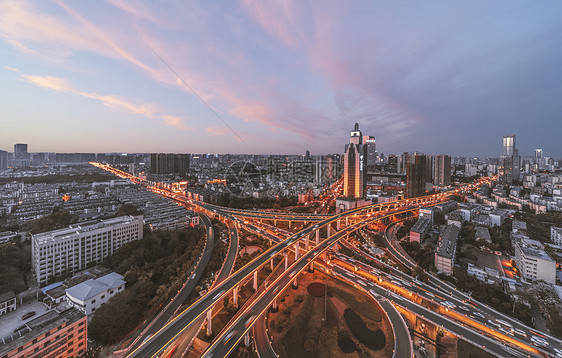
(149,110)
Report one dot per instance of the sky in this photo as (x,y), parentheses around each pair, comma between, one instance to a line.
(280,77)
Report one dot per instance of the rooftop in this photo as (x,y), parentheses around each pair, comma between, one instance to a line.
(39,325)
(54,235)
(421,225)
(7,296)
(448,245)
(92,288)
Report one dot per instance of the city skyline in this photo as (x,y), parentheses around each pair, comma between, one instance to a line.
(287,78)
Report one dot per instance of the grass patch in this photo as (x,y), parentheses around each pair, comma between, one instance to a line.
(294,340)
(363,305)
(316,289)
(374,340)
(467,350)
(346,344)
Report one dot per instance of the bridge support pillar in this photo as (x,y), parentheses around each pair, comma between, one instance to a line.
(255,280)
(274,307)
(274,222)
(297,247)
(317,236)
(295,283)
(286,260)
(271,264)
(247,339)
(338,227)
(329,230)
(289,224)
(346,220)
(311,267)
(235,296)
(307,243)
(209,320)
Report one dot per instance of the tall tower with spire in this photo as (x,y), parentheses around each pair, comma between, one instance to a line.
(355,165)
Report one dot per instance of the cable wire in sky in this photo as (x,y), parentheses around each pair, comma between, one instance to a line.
(201,99)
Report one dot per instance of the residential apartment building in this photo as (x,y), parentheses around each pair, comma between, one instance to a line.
(446,252)
(55,334)
(74,248)
(533,262)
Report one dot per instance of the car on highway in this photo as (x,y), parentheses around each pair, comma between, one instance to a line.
(218,295)
(449,305)
(478,314)
(249,320)
(229,336)
(520,332)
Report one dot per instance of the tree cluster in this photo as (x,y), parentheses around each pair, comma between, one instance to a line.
(154,268)
(15,262)
(56,220)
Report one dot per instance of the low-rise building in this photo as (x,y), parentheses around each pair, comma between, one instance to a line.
(7,302)
(447,249)
(498,216)
(90,295)
(533,262)
(483,233)
(517,225)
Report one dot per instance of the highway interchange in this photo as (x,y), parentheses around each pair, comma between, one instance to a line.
(455,311)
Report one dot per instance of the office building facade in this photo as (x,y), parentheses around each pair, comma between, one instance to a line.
(442,170)
(418,173)
(21,156)
(510,162)
(169,163)
(355,166)
(370,143)
(73,249)
(3,160)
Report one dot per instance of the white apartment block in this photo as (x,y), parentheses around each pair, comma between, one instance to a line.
(533,262)
(556,235)
(72,249)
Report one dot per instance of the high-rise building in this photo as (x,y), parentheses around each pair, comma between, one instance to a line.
(418,173)
(369,141)
(510,162)
(72,249)
(442,170)
(168,163)
(508,144)
(538,153)
(3,160)
(327,169)
(393,163)
(21,156)
(354,166)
